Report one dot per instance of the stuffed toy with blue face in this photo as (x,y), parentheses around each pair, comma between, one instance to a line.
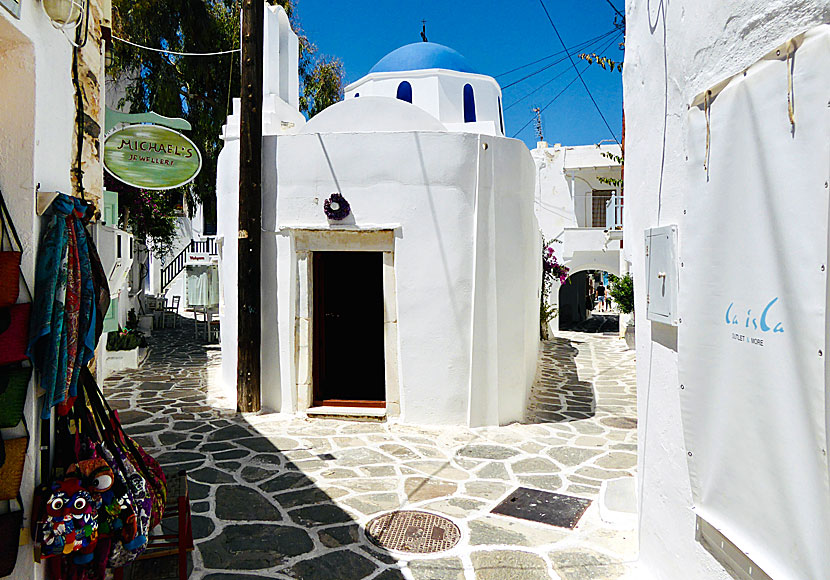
(71,525)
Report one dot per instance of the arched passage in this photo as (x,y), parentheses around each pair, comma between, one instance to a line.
(580,306)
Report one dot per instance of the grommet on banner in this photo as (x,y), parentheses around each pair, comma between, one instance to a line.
(682,387)
(690,453)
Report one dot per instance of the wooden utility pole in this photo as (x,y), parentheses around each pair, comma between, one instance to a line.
(250,207)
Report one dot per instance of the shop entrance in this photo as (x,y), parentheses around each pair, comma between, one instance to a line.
(348,348)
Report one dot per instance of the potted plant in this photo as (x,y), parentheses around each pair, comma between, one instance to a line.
(124,349)
(621,289)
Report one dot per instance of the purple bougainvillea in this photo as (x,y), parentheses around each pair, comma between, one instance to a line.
(336,207)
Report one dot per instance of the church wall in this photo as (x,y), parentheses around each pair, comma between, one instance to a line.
(441,94)
(424,90)
(519,279)
(413,184)
(674,51)
(452,99)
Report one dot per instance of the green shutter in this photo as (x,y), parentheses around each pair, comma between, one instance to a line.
(110,210)
(111,318)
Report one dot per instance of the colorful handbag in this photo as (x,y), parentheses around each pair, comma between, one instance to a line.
(140,460)
(9,259)
(11,472)
(14,333)
(14,383)
(11,525)
(9,276)
(124,551)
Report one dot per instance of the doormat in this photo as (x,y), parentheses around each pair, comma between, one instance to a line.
(413,531)
(545,507)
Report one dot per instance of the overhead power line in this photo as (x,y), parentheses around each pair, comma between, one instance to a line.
(546,83)
(542,110)
(557,61)
(537,61)
(173,52)
(579,74)
(620,14)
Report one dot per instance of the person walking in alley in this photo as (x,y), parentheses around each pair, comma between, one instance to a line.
(601,297)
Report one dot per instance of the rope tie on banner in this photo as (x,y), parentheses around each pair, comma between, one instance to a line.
(707,114)
(790,103)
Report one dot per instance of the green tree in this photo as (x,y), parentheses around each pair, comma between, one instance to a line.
(622,291)
(200,88)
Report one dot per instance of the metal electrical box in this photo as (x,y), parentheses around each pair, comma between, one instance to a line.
(662,275)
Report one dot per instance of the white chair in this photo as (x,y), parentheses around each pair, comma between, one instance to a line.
(171,312)
(205,324)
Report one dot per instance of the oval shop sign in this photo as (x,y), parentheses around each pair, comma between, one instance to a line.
(151,157)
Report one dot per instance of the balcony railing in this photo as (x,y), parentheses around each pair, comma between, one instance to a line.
(614,213)
(177,264)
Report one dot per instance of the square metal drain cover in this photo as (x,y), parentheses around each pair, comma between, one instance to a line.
(546,507)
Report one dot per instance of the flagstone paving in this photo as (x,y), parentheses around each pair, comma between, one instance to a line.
(283,497)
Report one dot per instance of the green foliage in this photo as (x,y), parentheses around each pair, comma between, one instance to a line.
(622,291)
(551,270)
(125,340)
(200,89)
(612,181)
(151,217)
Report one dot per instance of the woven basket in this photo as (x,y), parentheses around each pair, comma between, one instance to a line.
(11,473)
(14,333)
(9,277)
(14,382)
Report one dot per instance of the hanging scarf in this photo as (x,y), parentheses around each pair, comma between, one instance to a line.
(59,338)
(72,314)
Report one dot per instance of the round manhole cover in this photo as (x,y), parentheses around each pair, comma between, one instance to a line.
(413,531)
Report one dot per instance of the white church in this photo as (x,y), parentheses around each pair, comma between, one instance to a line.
(401,252)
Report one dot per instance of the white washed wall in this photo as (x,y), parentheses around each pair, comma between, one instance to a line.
(36,128)
(674,51)
(452,257)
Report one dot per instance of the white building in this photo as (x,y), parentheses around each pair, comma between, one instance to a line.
(727,147)
(422,304)
(38,153)
(582,213)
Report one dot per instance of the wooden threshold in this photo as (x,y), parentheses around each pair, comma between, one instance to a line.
(350,403)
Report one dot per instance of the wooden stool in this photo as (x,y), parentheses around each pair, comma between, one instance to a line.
(169,544)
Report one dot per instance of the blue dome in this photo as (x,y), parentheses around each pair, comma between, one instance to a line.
(420,56)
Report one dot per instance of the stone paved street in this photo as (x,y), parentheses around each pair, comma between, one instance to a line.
(281,497)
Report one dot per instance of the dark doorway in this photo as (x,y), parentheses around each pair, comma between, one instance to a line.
(348,353)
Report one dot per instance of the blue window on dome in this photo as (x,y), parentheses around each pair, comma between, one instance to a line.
(469,104)
(405,91)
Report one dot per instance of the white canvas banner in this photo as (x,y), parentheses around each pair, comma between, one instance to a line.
(752,341)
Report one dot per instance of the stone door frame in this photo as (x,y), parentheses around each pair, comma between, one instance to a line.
(308,241)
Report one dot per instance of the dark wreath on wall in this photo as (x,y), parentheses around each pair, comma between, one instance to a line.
(336,207)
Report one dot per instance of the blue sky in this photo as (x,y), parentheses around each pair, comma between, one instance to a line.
(495,37)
